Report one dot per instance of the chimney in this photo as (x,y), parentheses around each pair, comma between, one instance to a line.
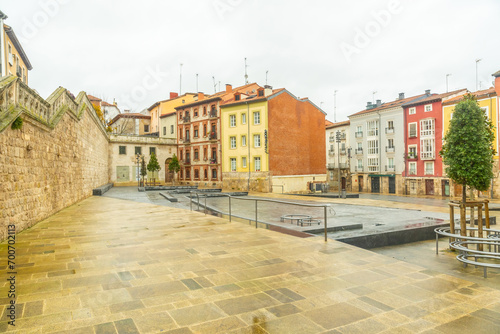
(427,92)
(379,103)
(201,96)
(369,105)
(126,111)
(229,88)
(268,90)
(401,96)
(497,82)
(173,95)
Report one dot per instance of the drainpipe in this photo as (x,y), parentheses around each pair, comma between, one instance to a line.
(248,144)
(379,149)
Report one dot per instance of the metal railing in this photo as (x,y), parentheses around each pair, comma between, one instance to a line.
(257,200)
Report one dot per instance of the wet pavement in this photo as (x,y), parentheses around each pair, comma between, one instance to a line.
(109,265)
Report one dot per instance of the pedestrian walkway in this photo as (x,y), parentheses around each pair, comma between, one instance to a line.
(109,265)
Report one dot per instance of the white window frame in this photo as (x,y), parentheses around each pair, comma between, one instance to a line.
(412,111)
(410,147)
(486,112)
(256,140)
(372,128)
(390,143)
(410,165)
(390,162)
(427,148)
(232,121)
(256,117)
(244,162)
(372,146)
(427,127)
(244,118)
(256,163)
(409,130)
(232,142)
(428,163)
(390,124)
(428,107)
(232,164)
(243,140)
(373,164)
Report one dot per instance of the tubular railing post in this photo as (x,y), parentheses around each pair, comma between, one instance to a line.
(206,195)
(229,196)
(256,213)
(191,200)
(326,230)
(198,197)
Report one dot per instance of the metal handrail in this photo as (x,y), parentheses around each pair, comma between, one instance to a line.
(325,206)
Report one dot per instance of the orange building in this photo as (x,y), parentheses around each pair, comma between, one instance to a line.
(13,59)
(198,136)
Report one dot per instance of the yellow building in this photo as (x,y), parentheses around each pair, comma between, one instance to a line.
(12,56)
(487,100)
(167,107)
(243,139)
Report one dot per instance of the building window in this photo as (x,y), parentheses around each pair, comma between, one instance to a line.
(372,146)
(261,92)
(427,127)
(122,149)
(256,140)
(390,125)
(204,110)
(196,155)
(138,150)
(232,121)
(237,97)
(171,129)
(429,168)
(412,151)
(187,134)
(256,118)
(152,150)
(243,118)
(146,128)
(373,164)
(204,130)
(412,130)
(196,113)
(233,164)
(427,148)
(412,168)
(180,155)
(428,107)
(196,174)
(390,163)
(188,174)
(232,141)
(372,128)
(164,130)
(244,162)
(256,163)
(412,111)
(196,132)
(390,143)
(359,131)
(214,174)
(243,140)
(206,174)
(331,175)
(360,164)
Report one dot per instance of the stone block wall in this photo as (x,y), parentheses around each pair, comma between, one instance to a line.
(48,165)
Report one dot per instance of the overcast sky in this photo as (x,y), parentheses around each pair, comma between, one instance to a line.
(131,51)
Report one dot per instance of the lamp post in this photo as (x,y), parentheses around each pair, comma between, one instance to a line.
(447,75)
(477,61)
(337,137)
(138,160)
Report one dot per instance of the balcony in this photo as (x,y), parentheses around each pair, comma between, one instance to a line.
(372,133)
(412,156)
(427,156)
(413,134)
(412,172)
(373,168)
(358,151)
(389,130)
(187,141)
(358,134)
(331,152)
(332,139)
(186,119)
(343,165)
(342,136)
(213,113)
(213,160)
(389,168)
(187,161)
(358,168)
(330,166)
(429,172)
(390,149)
(213,135)
(343,151)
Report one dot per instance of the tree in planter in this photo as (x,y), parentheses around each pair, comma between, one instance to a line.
(174,166)
(468,147)
(143,171)
(153,165)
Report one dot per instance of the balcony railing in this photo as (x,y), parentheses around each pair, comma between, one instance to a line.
(427,155)
(187,140)
(331,152)
(373,168)
(358,134)
(186,119)
(389,168)
(213,160)
(330,166)
(389,148)
(429,171)
(332,139)
(343,165)
(213,113)
(389,130)
(358,151)
(187,161)
(343,151)
(213,135)
(412,156)
(373,132)
(412,172)
(413,134)
(358,168)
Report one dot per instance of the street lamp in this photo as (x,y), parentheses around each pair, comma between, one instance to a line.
(477,61)
(138,159)
(337,138)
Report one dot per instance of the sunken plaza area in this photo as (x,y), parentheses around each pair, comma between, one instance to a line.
(107,265)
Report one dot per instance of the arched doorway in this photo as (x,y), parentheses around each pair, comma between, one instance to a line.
(169,175)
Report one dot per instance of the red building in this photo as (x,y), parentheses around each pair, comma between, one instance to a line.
(423,118)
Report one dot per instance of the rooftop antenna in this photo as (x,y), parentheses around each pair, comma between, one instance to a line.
(447,75)
(373,97)
(335,106)
(219,86)
(266,76)
(215,85)
(197,83)
(180,80)
(246,75)
(477,61)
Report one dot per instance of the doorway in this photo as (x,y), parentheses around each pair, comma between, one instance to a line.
(429,187)
(375,184)
(392,184)
(445,187)
(360,183)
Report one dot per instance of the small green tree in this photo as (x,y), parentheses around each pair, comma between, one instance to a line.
(468,147)
(174,165)
(144,171)
(153,165)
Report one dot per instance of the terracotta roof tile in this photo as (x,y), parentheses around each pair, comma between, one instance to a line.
(335,125)
(479,94)
(434,97)
(93,98)
(387,105)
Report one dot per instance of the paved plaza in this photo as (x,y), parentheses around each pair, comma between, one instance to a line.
(110,265)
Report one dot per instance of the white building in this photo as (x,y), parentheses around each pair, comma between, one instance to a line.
(378,146)
(338,152)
